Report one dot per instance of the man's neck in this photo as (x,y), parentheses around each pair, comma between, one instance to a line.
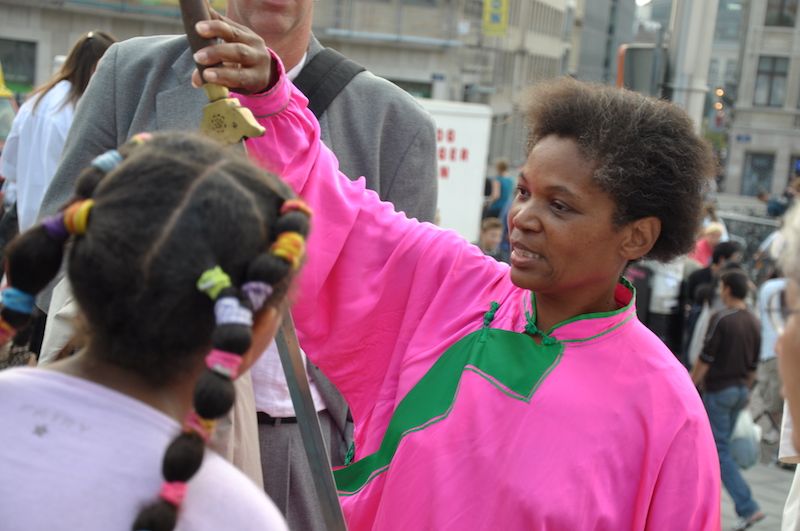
(290,48)
(736,304)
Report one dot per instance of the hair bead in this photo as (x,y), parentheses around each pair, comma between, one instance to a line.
(229,310)
(76,216)
(107,161)
(213,281)
(224,363)
(18,301)
(141,138)
(55,228)
(257,293)
(296,205)
(173,492)
(289,246)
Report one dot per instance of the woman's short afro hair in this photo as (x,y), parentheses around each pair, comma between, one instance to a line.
(648,157)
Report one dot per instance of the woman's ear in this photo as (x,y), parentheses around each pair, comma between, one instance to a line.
(265,325)
(642,235)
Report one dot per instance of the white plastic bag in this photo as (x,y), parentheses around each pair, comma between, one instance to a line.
(746,440)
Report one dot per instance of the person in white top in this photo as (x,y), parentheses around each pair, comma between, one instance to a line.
(179,288)
(34,144)
(784,317)
(766,401)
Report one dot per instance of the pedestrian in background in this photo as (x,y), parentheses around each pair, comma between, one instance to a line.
(710,236)
(34,145)
(490,238)
(767,399)
(502,191)
(726,371)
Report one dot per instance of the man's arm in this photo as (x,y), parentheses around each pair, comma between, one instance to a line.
(709,353)
(699,372)
(412,186)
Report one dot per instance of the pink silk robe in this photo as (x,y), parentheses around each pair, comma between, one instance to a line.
(463,421)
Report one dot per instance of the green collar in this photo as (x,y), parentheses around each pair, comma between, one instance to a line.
(603,322)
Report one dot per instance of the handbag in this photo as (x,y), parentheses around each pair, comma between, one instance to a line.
(746,440)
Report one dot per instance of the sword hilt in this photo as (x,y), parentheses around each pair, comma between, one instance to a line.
(192,12)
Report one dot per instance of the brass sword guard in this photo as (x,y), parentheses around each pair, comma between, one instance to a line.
(225,120)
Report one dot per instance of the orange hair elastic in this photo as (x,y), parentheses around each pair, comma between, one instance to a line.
(289,246)
(140,138)
(76,216)
(6,331)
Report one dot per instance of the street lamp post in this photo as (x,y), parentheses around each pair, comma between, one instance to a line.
(691,36)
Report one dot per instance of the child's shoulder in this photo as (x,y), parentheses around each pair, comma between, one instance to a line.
(222,497)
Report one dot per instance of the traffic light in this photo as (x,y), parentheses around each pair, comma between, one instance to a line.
(720,107)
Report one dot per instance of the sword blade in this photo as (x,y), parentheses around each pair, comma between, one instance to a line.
(308,422)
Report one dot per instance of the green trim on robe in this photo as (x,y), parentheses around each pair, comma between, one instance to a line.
(512,362)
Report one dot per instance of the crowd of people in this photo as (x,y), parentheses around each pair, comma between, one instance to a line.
(457,386)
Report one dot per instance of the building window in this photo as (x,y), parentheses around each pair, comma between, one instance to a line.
(771,81)
(713,72)
(19,64)
(781,13)
(729,21)
(731,72)
(758,170)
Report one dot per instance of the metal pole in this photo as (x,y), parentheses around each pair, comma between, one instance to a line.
(656,75)
(691,37)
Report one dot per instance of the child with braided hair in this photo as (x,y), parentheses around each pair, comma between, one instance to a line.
(180,253)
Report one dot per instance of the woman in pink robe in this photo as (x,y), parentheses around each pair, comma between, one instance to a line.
(489,397)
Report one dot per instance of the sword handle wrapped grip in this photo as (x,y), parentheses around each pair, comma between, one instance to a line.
(192,12)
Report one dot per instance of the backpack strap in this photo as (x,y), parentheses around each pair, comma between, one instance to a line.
(324,77)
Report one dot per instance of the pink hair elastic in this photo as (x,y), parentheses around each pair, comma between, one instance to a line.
(224,363)
(173,492)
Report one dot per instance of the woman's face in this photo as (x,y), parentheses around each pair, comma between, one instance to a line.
(560,224)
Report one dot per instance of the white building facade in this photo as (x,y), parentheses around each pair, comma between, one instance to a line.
(432,48)
(764,146)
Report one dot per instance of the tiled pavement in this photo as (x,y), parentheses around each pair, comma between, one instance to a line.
(770,485)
